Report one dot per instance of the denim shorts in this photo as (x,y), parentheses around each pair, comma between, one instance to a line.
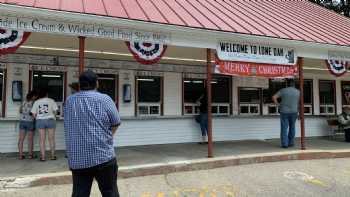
(26,125)
(45,124)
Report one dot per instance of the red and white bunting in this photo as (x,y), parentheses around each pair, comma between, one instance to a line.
(10,40)
(337,67)
(146,53)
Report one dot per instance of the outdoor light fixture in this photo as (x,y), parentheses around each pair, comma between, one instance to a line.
(104,53)
(142,79)
(51,76)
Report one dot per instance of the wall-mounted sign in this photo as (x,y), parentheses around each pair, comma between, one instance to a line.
(10,40)
(255,69)
(146,53)
(149,74)
(232,51)
(78,29)
(48,68)
(337,63)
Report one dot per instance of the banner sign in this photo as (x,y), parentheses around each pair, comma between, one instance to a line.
(337,63)
(146,53)
(255,69)
(10,40)
(78,29)
(231,51)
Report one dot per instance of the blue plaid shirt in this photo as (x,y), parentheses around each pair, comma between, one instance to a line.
(88,118)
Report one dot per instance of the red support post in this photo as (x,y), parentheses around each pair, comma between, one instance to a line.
(301,111)
(210,125)
(81,53)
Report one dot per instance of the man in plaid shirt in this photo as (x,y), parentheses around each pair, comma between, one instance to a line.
(90,122)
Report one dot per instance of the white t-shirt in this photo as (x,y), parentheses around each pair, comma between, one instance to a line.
(45,108)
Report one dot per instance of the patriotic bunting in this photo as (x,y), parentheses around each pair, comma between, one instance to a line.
(146,53)
(10,40)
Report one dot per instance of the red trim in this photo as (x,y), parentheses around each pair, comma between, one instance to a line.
(30,81)
(210,119)
(65,86)
(301,110)
(14,49)
(336,74)
(144,61)
(117,91)
(81,54)
(4,95)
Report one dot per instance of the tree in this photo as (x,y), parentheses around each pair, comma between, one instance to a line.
(339,6)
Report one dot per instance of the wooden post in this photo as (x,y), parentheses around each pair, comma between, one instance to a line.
(210,125)
(81,53)
(301,111)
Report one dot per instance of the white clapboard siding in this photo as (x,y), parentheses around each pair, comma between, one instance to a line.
(172,94)
(16,72)
(166,131)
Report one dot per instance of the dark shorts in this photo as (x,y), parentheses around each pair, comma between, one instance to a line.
(26,125)
(45,124)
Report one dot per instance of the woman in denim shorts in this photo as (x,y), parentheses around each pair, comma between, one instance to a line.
(26,125)
(45,110)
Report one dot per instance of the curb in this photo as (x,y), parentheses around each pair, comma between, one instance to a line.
(180,166)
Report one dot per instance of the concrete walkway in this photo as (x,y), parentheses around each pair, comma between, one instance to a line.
(156,159)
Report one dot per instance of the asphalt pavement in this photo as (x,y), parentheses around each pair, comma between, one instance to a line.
(311,178)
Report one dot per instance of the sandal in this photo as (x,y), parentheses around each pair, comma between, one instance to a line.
(53,157)
(21,157)
(31,156)
(42,159)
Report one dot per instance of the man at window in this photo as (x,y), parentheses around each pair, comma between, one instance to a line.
(344,120)
(288,112)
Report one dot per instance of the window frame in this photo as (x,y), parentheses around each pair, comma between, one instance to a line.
(64,90)
(216,106)
(250,104)
(116,85)
(219,105)
(342,83)
(194,106)
(159,104)
(272,105)
(334,105)
(309,105)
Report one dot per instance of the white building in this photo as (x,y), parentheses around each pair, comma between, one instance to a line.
(162,104)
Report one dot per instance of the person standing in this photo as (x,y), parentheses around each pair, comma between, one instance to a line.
(74,87)
(344,120)
(44,110)
(26,125)
(203,115)
(90,122)
(288,108)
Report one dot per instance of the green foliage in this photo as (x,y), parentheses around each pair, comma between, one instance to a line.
(339,6)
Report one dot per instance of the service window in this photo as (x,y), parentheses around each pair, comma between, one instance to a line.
(221,99)
(54,82)
(193,89)
(2,80)
(308,96)
(149,96)
(107,85)
(327,97)
(345,88)
(249,101)
(274,87)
